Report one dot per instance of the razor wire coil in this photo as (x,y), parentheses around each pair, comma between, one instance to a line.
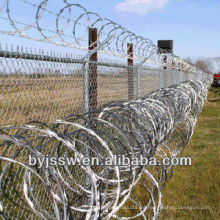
(159,124)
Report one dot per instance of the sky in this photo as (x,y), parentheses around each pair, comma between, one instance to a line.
(194,25)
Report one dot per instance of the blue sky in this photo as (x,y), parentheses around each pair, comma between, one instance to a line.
(194,25)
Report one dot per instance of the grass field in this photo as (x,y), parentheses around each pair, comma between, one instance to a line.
(24,99)
(198,186)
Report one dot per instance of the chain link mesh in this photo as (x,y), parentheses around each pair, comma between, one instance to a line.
(43,88)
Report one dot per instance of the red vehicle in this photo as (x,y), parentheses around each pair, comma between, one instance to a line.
(216,80)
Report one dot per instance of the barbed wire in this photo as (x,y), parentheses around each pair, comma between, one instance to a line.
(71,24)
(160,124)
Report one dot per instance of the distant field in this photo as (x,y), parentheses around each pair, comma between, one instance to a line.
(24,98)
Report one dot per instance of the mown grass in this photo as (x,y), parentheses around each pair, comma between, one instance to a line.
(198,187)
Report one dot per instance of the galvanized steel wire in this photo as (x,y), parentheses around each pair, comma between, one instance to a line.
(70,24)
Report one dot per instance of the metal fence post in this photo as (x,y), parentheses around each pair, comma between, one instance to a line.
(90,88)
(130,71)
(139,83)
(186,75)
(164,77)
(161,75)
(90,74)
(86,87)
(93,75)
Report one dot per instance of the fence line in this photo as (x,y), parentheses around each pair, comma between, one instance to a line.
(95,35)
(49,78)
(61,59)
(36,86)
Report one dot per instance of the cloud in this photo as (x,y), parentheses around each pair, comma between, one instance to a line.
(141,6)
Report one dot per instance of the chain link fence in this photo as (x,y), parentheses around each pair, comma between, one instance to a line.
(42,87)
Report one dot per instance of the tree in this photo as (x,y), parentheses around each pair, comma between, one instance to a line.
(204,65)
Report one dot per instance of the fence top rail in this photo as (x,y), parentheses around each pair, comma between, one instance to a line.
(42,57)
(70,23)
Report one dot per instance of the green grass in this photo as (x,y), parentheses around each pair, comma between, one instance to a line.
(214,92)
(198,185)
